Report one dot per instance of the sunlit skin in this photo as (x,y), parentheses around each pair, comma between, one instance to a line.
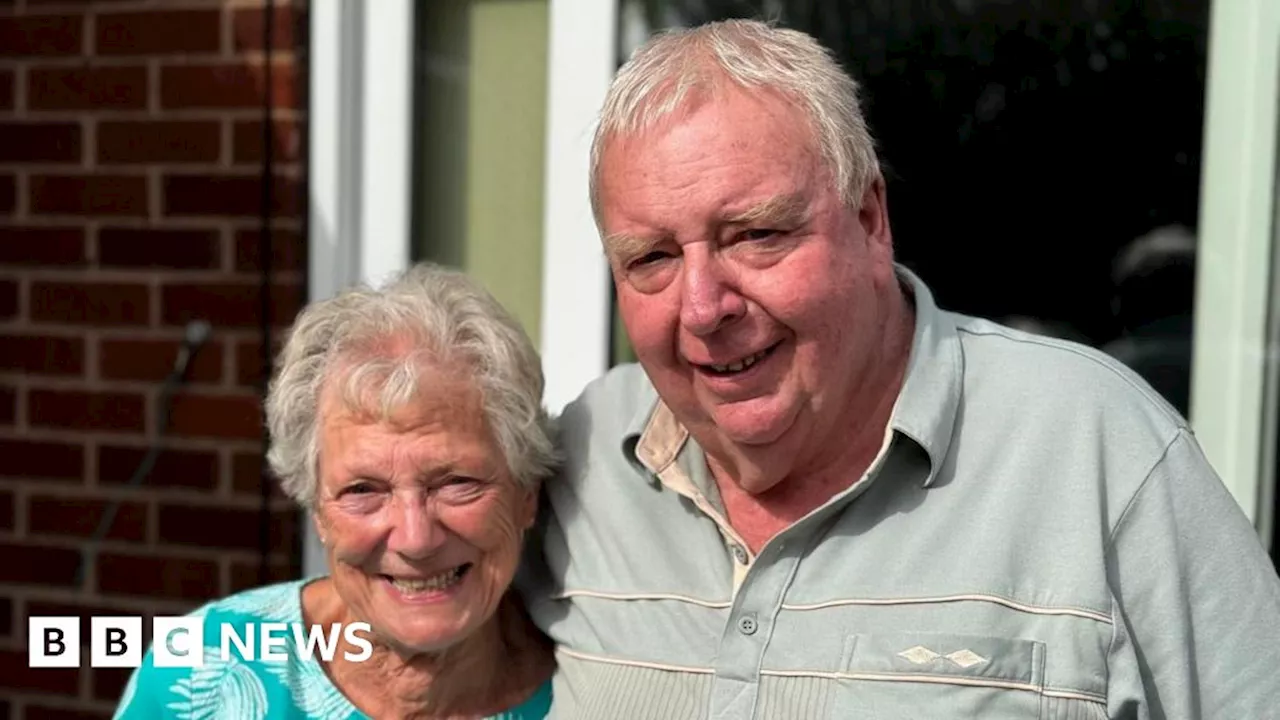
(425,492)
(727,237)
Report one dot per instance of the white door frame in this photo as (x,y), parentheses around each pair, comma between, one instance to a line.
(360,159)
(1237,239)
(576,304)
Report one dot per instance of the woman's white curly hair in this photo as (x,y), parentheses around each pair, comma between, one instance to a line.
(386,346)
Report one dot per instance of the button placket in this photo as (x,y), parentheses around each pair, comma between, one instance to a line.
(747,624)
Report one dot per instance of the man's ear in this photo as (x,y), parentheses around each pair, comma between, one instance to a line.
(873,214)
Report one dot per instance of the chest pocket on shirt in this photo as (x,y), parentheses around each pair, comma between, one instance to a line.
(896,676)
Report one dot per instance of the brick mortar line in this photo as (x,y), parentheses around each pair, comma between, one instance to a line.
(45,538)
(22,187)
(226,31)
(92,250)
(20,421)
(24,299)
(226,472)
(90,29)
(91,468)
(244,170)
(243,222)
(155,193)
(140,5)
(166,495)
(27,594)
(21,494)
(141,276)
(114,492)
(227,246)
(224,575)
(23,698)
(153,87)
(89,142)
(243,335)
(252,59)
(151,529)
(168,550)
(226,140)
(202,222)
(63,383)
(176,335)
(93,168)
(69,170)
(92,357)
(86,687)
(19,87)
(143,114)
(284,279)
(131,440)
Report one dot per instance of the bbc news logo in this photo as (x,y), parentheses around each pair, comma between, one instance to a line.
(54,642)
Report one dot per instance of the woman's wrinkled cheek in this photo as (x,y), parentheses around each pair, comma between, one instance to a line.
(503,538)
(349,541)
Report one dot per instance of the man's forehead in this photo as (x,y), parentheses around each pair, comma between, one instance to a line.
(752,207)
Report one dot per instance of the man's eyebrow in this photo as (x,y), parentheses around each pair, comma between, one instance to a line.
(618,246)
(785,209)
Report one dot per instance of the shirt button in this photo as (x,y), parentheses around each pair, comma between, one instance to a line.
(747,624)
(740,554)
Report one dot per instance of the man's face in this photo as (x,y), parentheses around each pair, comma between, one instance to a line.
(751,293)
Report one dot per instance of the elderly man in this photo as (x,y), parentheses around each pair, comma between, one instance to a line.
(822,496)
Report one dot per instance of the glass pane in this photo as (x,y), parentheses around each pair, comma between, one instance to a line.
(1042,159)
(480,108)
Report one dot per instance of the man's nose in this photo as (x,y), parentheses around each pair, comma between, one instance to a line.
(709,300)
(416,531)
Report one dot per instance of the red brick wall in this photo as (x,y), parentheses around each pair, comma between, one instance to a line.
(130,149)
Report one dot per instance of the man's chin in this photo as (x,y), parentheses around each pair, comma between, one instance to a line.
(752,427)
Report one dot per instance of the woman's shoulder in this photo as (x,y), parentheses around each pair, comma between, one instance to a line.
(219,679)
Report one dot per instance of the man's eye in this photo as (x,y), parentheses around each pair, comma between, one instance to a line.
(360,488)
(649,258)
(759,234)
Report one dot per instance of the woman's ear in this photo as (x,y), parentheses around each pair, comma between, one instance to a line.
(319,524)
(529,507)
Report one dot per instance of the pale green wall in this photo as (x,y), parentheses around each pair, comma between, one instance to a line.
(483,118)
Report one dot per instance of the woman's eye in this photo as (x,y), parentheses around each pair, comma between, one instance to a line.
(361,488)
(461,487)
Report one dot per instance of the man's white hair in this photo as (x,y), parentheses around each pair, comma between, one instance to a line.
(381,349)
(680,65)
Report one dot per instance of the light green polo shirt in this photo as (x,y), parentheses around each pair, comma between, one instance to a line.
(1039,537)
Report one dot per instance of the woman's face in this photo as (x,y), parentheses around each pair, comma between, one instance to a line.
(421,520)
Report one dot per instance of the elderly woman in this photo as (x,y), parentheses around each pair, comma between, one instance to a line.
(408,422)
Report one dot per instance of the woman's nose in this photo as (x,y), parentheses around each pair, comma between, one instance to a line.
(416,531)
